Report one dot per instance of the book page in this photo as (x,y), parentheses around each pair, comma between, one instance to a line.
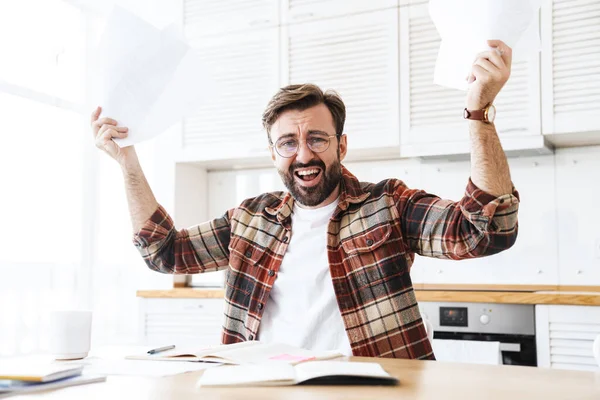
(318,369)
(263,352)
(267,374)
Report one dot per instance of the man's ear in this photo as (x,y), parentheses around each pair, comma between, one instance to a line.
(343,147)
(272,153)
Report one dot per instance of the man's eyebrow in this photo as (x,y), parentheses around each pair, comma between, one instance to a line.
(317,132)
(310,132)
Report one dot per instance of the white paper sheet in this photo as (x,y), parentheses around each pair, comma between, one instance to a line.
(99,366)
(466,25)
(145,78)
(110,360)
(467,351)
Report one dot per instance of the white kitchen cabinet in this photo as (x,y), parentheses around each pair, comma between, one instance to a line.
(578,214)
(245,70)
(565,336)
(571,71)
(203,18)
(170,321)
(533,258)
(431,116)
(294,11)
(358,57)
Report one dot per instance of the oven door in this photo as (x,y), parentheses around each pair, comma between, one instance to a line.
(516,349)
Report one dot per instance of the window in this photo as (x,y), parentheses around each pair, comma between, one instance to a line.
(41,165)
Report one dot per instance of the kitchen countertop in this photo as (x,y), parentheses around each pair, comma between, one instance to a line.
(589,296)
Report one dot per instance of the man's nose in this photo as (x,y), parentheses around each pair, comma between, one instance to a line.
(304,154)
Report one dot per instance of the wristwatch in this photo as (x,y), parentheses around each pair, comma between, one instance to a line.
(487,115)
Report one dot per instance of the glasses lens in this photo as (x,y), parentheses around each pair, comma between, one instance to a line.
(287,147)
(318,144)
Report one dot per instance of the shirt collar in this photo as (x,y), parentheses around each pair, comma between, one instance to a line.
(351,192)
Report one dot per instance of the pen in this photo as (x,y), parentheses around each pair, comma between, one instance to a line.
(159,349)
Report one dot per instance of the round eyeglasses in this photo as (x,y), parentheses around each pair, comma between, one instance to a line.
(288,146)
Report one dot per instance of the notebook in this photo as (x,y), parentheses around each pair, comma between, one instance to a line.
(308,373)
(31,372)
(9,388)
(240,353)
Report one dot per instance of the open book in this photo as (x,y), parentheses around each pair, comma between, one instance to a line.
(310,373)
(10,388)
(240,353)
(22,370)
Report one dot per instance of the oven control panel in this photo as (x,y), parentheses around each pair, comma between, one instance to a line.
(454,316)
(493,318)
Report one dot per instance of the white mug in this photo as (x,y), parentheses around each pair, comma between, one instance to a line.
(69,334)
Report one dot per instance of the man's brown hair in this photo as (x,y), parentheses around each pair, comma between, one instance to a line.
(302,97)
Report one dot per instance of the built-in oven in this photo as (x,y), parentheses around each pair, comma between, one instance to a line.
(513,325)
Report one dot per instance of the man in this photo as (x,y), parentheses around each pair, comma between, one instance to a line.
(326,266)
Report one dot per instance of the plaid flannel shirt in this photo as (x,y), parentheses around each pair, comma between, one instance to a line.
(372,238)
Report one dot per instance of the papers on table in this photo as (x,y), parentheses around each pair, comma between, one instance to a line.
(100,366)
(110,360)
(249,352)
(466,25)
(146,78)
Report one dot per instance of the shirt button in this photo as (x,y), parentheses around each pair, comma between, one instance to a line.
(248,253)
(271,272)
(251,337)
(260,306)
(369,242)
(285,239)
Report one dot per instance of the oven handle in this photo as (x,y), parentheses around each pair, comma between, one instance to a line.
(516,347)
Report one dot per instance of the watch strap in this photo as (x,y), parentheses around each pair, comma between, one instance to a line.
(477,115)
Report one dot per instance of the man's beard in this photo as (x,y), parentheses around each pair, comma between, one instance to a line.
(315,195)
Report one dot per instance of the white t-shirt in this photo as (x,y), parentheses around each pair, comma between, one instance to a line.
(302,309)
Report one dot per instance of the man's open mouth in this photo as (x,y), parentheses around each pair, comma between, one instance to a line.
(308,174)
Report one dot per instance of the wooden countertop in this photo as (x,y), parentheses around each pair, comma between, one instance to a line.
(418,380)
(588,296)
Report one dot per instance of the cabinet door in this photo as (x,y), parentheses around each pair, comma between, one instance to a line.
(181,320)
(294,11)
(358,57)
(213,17)
(565,336)
(578,218)
(571,66)
(432,114)
(532,260)
(245,70)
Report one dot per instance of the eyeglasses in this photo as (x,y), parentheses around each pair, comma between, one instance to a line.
(288,146)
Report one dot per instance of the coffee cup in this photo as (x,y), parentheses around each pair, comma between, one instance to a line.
(69,334)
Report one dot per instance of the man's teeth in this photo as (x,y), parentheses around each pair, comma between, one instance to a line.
(308,172)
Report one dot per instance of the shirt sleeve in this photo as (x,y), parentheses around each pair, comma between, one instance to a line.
(201,248)
(478,225)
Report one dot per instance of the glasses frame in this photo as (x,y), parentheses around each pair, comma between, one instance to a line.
(273,146)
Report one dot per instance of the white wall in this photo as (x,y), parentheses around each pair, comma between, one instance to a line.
(559,217)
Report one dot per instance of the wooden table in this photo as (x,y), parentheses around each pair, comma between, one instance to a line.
(418,380)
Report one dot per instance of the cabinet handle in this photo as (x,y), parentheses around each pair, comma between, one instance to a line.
(303,16)
(193,307)
(255,22)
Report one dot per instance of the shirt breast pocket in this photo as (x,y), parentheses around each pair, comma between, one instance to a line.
(367,241)
(375,262)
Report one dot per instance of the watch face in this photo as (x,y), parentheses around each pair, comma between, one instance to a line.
(491,113)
